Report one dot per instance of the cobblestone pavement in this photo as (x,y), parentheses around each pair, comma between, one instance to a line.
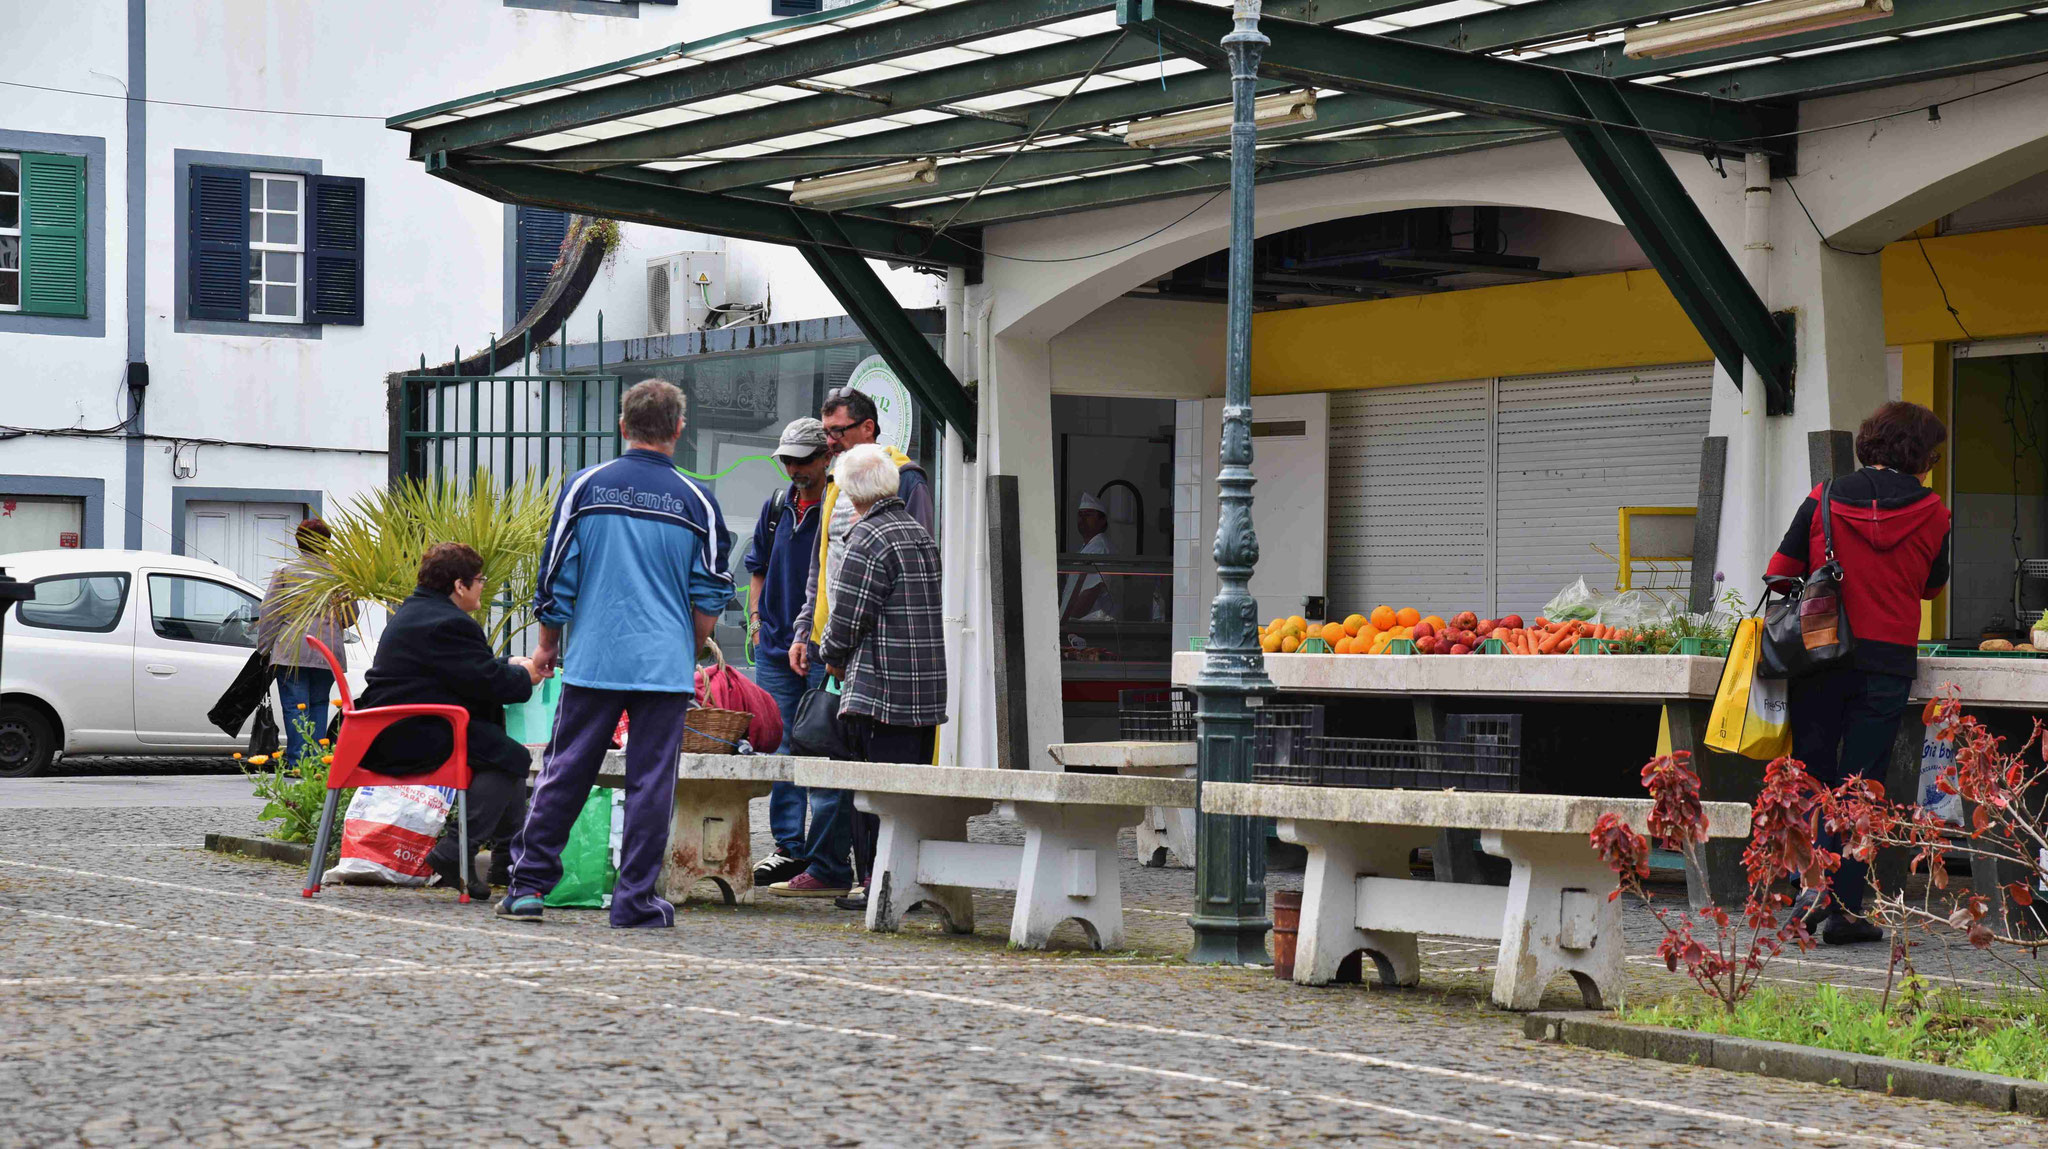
(153,993)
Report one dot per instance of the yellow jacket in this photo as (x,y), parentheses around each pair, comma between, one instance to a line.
(823,609)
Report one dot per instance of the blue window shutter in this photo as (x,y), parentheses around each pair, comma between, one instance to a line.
(334,250)
(53,234)
(541,232)
(217,243)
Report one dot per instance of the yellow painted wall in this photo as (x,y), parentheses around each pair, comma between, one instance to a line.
(1997,281)
(1925,379)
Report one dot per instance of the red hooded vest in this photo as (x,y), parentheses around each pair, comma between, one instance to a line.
(1891,539)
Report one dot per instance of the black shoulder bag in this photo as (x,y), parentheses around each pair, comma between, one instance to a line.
(1808,632)
(817,732)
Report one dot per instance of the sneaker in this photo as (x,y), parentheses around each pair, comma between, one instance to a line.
(520,907)
(446,869)
(807,885)
(1842,930)
(777,867)
(857,901)
(1812,907)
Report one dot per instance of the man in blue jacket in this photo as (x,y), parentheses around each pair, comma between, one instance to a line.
(784,549)
(635,564)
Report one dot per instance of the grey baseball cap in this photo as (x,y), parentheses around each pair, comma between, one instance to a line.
(801,439)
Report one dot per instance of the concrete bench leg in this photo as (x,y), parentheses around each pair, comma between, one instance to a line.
(908,821)
(1069,870)
(709,837)
(1166,837)
(1338,855)
(1558,920)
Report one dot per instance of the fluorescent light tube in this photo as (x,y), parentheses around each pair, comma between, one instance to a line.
(1747,24)
(1211,123)
(848,185)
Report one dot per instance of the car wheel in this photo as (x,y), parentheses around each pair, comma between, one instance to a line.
(27,744)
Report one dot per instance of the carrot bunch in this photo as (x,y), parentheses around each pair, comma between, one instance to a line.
(1556,637)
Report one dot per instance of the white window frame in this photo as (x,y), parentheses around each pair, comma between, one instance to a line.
(20,217)
(256,184)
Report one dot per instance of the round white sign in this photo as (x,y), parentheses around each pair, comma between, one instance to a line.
(893,415)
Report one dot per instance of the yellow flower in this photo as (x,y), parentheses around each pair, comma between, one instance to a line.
(325,742)
(238,753)
(334,702)
(327,759)
(302,706)
(259,760)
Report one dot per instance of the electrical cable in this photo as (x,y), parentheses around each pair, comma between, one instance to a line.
(1106,251)
(1926,107)
(188,104)
(1036,128)
(1824,242)
(1951,308)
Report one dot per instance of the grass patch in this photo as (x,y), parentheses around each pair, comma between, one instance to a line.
(2007,1035)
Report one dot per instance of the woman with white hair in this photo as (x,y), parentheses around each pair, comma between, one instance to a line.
(885,645)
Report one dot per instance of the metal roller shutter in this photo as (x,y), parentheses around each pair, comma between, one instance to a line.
(1570,450)
(1409,477)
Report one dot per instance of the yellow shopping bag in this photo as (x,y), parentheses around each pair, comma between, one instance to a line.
(1750,715)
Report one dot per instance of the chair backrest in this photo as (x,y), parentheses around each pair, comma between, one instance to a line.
(348,704)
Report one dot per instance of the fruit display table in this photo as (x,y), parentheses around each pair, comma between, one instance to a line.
(1681,685)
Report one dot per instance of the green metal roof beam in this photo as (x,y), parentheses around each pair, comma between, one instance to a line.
(1448,79)
(871,43)
(1546,21)
(2001,45)
(1057,63)
(1491,30)
(961,82)
(1907,16)
(1684,248)
(1092,156)
(858,289)
(645,202)
(1195,177)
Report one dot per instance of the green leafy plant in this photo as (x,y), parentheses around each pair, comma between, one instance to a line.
(374,555)
(2007,1034)
(293,792)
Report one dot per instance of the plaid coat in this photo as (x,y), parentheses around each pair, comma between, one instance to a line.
(885,630)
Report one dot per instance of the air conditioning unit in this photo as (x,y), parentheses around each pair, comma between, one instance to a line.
(682,288)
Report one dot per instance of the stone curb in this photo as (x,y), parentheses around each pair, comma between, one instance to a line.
(1597,1030)
(269,849)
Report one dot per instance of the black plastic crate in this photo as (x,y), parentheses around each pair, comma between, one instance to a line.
(1276,727)
(1486,756)
(1156,715)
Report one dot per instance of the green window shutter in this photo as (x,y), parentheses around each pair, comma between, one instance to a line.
(53,235)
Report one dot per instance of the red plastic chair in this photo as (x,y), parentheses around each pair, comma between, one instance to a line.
(358,729)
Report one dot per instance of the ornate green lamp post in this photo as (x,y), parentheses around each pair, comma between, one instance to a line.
(1230,921)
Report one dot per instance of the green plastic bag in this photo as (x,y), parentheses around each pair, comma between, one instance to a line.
(587,871)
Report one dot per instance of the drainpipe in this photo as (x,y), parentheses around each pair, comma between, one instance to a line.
(1753,463)
(956,507)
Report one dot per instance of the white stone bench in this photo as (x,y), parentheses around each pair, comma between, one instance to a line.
(1553,916)
(1066,868)
(710,835)
(1165,832)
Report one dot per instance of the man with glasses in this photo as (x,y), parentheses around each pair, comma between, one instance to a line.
(850,420)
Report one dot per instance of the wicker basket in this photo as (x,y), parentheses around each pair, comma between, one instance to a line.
(709,730)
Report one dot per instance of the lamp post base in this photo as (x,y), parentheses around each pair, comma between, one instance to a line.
(1230,941)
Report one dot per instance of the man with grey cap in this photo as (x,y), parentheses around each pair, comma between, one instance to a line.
(780,558)
(1084,594)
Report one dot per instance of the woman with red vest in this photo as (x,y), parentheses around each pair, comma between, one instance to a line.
(1891,539)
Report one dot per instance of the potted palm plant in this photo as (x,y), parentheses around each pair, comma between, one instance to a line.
(379,536)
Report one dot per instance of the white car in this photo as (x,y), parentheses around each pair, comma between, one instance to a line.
(120,652)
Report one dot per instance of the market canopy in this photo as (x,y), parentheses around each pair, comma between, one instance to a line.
(899,129)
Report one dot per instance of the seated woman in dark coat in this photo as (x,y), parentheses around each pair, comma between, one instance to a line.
(434,652)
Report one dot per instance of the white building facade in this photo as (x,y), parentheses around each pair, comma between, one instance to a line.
(213,252)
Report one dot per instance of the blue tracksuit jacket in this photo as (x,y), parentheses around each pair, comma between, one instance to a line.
(634,548)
